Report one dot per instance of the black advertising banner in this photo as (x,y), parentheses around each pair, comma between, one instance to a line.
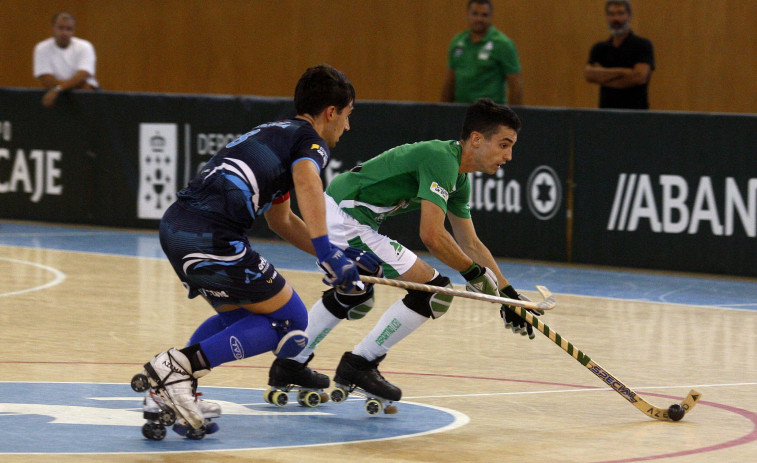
(666,191)
(648,189)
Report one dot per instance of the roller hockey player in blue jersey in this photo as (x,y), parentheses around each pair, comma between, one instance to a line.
(204,236)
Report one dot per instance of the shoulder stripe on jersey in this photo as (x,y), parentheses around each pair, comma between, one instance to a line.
(309,159)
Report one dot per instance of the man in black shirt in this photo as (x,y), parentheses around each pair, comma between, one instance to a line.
(622,65)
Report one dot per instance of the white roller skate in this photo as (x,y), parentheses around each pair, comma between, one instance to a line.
(159,415)
(169,376)
(287,375)
(357,375)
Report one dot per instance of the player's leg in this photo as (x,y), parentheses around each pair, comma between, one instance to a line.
(402,318)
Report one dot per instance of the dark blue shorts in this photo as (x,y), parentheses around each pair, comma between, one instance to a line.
(215,260)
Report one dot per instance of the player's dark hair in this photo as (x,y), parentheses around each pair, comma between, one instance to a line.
(626,3)
(486,117)
(320,87)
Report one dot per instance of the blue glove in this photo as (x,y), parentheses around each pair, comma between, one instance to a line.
(340,271)
(367,262)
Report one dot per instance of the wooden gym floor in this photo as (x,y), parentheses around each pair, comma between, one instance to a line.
(96,317)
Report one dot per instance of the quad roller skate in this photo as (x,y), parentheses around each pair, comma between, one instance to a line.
(159,415)
(287,375)
(357,375)
(172,398)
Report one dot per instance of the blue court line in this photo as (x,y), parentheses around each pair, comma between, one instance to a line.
(722,292)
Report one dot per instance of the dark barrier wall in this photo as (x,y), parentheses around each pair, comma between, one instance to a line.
(663,190)
(653,190)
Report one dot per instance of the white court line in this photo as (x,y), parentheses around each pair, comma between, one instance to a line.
(588,389)
(60,277)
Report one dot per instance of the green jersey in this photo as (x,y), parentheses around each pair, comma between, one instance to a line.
(397,180)
(481,68)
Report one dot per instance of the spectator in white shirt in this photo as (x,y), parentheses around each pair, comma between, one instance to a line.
(64,62)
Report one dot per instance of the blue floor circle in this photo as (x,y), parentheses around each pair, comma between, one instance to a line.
(107,418)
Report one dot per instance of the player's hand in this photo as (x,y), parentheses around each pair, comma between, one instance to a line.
(512,320)
(340,271)
(480,280)
(367,262)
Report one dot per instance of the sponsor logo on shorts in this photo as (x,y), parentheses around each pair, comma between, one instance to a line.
(438,189)
(236,348)
(398,248)
(212,293)
(263,265)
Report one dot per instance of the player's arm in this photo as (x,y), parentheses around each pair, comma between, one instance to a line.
(438,240)
(309,189)
(285,223)
(638,75)
(448,90)
(465,234)
(514,89)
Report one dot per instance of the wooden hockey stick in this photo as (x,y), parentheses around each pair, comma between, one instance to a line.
(645,407)
(608,378)
(548,303)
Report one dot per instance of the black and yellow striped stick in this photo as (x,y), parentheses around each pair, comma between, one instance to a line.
(672,413)
(610,379)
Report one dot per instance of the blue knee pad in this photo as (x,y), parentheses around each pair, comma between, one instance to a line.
(290,322)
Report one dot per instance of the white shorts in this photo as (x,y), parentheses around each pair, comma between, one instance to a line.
(345,231)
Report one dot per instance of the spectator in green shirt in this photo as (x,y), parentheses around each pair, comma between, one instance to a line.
(481,61)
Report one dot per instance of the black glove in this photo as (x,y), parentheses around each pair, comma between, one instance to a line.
(512,320)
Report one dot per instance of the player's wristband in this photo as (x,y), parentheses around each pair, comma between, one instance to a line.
(322,246)
(57,88)
(474,271)
(510,292)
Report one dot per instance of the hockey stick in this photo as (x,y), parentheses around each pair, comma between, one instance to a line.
(670,414)
(548,303)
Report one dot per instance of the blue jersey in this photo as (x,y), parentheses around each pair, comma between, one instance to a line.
(243,179)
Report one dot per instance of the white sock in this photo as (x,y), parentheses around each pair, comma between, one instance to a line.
(320,324)
(395,325)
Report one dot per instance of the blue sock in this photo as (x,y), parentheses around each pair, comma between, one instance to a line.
(252,335)
(216,324)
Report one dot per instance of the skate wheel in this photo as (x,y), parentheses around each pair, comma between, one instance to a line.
(267,395)
(279,398)
(338,395)
(139,383)
(167,416)
(154,431)
(196,434)
(373,407)
(324,397)
(309,399)
(390,409)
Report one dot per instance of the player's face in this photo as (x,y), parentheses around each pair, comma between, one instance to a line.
(338,125)
(63,30)
(479,18)
(618,19)
(496,151)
